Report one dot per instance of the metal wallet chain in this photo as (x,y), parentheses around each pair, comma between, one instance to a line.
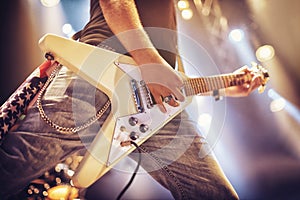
(61,129)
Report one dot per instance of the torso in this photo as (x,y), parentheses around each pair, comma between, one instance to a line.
(161,31)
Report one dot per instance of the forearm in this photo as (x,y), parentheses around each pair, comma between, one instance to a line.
(123,19)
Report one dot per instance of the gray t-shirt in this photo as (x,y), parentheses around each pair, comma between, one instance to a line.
(158,17)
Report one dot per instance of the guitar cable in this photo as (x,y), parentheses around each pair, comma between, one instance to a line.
(135,171)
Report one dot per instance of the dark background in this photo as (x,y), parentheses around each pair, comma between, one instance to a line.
(258,149)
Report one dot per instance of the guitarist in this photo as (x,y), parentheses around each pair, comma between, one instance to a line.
(171,156)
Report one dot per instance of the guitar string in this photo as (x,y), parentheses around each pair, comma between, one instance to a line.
(192,86)
(195,86)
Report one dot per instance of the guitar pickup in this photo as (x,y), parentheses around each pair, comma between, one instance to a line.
(137,95)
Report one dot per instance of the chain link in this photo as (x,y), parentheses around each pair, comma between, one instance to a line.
(61,129)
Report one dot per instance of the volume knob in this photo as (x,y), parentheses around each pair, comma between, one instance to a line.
(134,135)
(144,128)
(133,121)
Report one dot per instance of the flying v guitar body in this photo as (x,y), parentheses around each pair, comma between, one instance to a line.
(133,115)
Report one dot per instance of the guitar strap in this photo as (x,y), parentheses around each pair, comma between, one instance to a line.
(179,63)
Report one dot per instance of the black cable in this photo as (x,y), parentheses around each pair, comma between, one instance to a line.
(134,173)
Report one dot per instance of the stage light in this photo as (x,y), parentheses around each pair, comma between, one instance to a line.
(265,53)
(187,14)
(205,11)
(277,105)
(50,3)
(223,22)
(182,4)
(236,35)
(70,172)
(204,121)
(68,29)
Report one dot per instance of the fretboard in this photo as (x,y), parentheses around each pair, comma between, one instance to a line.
(194,86)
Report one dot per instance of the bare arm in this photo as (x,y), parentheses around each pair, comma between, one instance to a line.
(123,19)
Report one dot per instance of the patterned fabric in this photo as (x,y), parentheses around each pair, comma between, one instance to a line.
(15,107)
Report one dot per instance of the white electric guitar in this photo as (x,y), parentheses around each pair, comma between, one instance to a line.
(134,116)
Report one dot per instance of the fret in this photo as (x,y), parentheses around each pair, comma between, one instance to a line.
(215,84)
(218,83)
(221,82)
(187,88)
(203,85)
(197,86)
(206,80)
(194,87)
(226,81)
(211,80)
(211,83)
(200,85)
(190,89)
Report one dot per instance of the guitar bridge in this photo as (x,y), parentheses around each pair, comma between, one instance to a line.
(147,94)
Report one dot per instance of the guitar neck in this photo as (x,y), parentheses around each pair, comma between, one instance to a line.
(194,86)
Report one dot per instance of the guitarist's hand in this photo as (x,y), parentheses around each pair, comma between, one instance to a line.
(162,82)
(123,19)
(246,88)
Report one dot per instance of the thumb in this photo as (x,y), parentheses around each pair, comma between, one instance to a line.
(178,94)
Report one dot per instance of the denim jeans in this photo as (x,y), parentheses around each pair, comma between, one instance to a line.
(175,156)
